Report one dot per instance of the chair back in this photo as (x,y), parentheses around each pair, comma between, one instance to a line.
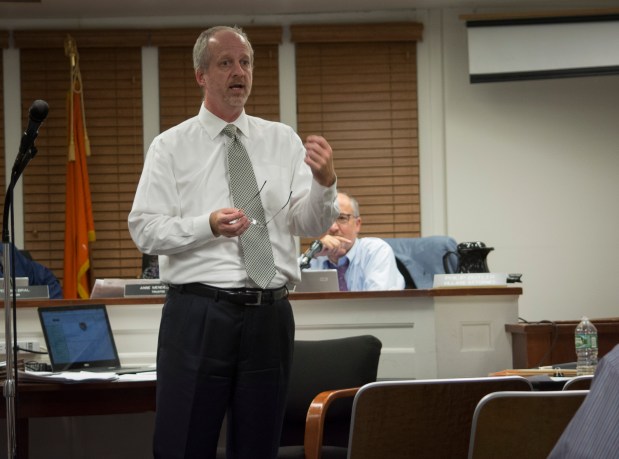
(409,283)
(420,418)
(513,425)
(578,383)
(323,365)
(422,257)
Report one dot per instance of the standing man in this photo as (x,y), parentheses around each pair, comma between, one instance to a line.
(226,247)
(363,263)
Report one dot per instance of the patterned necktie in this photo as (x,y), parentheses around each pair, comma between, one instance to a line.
(341,274)
(255,242)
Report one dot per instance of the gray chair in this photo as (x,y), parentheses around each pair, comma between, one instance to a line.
(340,365)
(325,373)
(514,425)
(420,418)
(422,257)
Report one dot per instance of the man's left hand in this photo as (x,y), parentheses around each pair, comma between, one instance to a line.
(319,157)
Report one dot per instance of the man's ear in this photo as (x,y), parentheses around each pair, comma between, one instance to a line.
(201,77)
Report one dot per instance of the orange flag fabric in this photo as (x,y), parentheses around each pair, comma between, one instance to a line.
(79,221)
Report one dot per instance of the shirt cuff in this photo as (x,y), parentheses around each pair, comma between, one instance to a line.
(202,228)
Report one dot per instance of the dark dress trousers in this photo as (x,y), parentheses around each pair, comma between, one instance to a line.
(215,359)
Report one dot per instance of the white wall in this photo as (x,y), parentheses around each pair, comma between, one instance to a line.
(532,169)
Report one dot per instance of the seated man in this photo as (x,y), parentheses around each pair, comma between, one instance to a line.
(363,263)
(36,273)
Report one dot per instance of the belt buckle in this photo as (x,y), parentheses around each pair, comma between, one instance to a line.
(258,302)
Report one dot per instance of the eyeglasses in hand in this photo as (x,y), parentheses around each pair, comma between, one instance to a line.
(252,220)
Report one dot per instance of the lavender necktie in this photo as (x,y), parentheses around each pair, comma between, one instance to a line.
(341,274)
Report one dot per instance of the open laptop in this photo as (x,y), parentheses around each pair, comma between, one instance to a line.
(79,338)
(318,280)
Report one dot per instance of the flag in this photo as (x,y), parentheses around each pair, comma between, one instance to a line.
(79,222)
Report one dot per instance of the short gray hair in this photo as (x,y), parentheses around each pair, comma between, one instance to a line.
(201,54)
(353,203)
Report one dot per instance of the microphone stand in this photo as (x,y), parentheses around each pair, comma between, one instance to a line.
(10,320)
(9,384)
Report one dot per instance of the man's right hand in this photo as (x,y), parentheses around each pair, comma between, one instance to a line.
(334,247)
(228,222)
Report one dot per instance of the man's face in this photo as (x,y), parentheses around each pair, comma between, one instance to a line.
(227,80)
(347,225)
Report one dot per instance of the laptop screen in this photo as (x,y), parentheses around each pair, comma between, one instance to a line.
(318,280)
(79,338)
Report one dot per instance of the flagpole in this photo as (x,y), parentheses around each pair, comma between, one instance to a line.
(79,222)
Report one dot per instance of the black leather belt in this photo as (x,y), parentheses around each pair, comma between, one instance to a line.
(242,296)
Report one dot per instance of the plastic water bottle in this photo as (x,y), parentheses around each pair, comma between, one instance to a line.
(586,341)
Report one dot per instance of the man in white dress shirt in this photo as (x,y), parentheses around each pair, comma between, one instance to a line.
(225,343)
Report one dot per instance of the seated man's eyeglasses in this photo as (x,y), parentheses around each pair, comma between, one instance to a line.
(342,219)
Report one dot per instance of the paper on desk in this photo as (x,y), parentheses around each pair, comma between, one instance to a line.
(143,376)
(66,376)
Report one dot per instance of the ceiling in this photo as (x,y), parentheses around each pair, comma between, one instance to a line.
(33,10)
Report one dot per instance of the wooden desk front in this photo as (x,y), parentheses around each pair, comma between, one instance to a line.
(36,400)
(550,343)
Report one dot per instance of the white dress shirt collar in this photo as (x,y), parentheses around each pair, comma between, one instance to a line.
(214,125)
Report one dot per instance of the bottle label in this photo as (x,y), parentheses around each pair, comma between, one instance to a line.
(586,341)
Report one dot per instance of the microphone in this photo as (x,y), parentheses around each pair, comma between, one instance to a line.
(314,248)
(37,114)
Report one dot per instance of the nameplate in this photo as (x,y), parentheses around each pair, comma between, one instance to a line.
(470,280)
(30,292)
(146,289)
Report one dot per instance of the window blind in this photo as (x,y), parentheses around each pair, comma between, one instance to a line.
(112,88)
(359,91)
(111,72)
(362,97)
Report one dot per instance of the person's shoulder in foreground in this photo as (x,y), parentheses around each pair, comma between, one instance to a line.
(593,432)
